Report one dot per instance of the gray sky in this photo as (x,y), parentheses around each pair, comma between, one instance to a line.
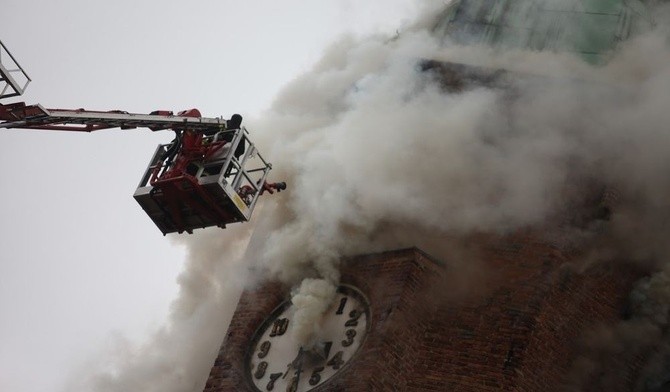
(80,261)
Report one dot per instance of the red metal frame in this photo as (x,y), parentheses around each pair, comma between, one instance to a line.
(20,115)
(173,194)
(176,191)
(184,190)
(177,186)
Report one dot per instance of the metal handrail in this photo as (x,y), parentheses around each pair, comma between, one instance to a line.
(6,77)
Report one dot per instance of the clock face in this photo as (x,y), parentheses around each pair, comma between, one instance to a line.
(276,361)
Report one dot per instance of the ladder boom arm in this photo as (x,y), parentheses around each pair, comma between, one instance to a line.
(20,115)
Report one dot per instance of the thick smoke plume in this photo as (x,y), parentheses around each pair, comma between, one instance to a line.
(376,153)
(310,301)
(178,356)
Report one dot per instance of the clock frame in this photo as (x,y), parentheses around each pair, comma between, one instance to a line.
(276,361)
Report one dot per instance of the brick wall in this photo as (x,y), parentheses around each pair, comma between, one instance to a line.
(522,335)
(525,334)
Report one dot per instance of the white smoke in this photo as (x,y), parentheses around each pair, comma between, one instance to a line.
(375,152)
(372,144)
(310,301)
(368,140)
(178,356)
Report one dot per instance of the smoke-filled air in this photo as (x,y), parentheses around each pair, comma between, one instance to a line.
(377,153)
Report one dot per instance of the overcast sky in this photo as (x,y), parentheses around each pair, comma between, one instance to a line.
(80,261)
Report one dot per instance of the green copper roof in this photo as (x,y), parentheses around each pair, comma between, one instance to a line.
(591,28)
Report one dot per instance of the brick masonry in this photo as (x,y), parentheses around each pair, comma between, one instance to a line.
(523,334)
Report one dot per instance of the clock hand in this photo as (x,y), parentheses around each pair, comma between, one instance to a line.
(322,350)
(297,361)
(298,370)
(297,365)
(288,368)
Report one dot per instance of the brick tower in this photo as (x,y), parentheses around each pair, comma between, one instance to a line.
(521,333)
(394,326)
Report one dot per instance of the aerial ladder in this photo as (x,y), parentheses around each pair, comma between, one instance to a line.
(211,174)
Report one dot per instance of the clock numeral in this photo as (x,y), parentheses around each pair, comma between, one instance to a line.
(336,361)
(351,333)
(265,347)
(273,377)
(316,377)
(279,327)
(354,315)
(343,303)
(260,370)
